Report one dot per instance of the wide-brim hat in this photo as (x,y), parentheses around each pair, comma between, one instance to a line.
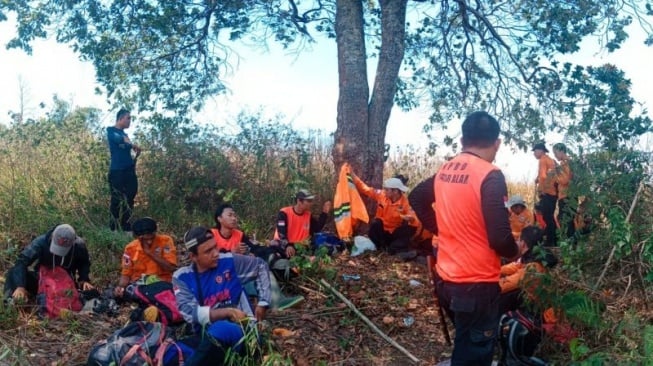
(395,183)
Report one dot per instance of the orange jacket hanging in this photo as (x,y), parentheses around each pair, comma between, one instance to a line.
(348,205)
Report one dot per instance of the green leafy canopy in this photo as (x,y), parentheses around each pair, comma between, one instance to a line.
(459,55)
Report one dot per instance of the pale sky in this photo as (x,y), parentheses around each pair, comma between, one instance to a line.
(303,87)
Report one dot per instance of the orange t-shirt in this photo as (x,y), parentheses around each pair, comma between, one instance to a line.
(390,213)
(546,176)
(298,226)
(464,252)
(228,244)
(136,263)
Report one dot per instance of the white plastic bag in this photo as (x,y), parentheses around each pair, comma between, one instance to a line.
(361,244)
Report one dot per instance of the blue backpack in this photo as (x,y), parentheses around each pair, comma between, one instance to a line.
(329,241)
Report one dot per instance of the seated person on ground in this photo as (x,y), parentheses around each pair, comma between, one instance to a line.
(210,295)
(395,222)
(149,254)
(59,247)
(520,215)
(229,239)
(226,233)
(423,238)
(521,275)
(296,224)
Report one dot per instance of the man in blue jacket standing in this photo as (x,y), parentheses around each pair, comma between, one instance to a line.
(122,172)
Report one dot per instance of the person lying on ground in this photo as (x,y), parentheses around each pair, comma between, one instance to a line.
(210,296)
(59,247)
(395,222)
(296,224)
(149,254)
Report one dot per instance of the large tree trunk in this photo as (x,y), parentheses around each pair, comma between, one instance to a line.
(393,37)
(362,121)
(351,137)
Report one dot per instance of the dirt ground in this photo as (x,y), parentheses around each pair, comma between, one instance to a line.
(320,330)
(327,330)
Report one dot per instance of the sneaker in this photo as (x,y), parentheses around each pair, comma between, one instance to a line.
(288,302)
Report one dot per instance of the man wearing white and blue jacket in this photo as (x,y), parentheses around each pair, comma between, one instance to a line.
(210,295)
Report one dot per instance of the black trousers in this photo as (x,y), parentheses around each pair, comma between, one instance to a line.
(124,186)
(474,308)
(511,300)
(548,207)
(395,242)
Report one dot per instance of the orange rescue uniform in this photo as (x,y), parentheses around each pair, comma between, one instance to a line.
(513,277)
(464,252)
(228,244)
(546,176)
(298,226)
(390,213)
(136,263)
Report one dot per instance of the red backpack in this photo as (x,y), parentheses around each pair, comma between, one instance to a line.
(57,291)
(161,295)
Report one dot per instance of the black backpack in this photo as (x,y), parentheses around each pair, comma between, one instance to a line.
(519,336)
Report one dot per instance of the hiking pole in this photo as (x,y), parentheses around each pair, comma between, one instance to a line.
(430,263)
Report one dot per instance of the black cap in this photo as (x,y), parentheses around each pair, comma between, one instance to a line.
(540,146)
(197,236)
(304,194)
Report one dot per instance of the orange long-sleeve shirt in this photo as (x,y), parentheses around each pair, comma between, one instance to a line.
(513,277)
(390,213)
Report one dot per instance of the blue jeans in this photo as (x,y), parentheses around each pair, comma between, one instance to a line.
(474,309)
